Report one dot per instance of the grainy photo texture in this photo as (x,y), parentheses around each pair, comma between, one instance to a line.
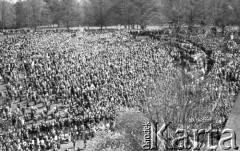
(119,75)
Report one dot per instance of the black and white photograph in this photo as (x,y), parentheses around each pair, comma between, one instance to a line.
(119,75)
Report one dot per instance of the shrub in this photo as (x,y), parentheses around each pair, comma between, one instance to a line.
(127,137)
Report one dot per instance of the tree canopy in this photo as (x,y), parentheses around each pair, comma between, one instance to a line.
(128,13)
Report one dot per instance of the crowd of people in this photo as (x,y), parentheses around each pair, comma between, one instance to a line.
(63,87)
(50,94)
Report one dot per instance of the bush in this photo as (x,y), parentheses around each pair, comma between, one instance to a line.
(128,135)
(105,141)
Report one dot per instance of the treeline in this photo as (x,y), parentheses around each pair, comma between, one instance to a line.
(220,13)
(34,13)
(128,13)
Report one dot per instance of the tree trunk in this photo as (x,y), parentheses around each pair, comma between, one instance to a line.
(2,25)
(223,30)
(67,24)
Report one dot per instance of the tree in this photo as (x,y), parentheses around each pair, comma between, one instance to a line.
(3,13)
(35,9)
(98,11)
(101,7)
(7,14)
(174,12)
(125,13)
(145,11)
(235,5)
(194,12)
(225,15)
(20,16)
(70,12)
(46,16)
(55,10)
(88,13)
